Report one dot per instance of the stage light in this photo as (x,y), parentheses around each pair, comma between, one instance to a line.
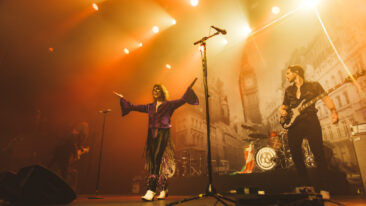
(126,51)
(246,30)
(155,29)
(174,21)
(276,10)
(168,66)
(194,2)
(50,49)
(140,44)
(95,7)
(310,3)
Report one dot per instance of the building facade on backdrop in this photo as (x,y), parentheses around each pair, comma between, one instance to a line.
(322,64)
(190,136)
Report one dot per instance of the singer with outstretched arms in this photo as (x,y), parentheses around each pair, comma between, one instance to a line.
(159,148)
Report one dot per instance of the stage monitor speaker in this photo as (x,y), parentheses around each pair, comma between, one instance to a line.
(359,143)
(35,185)
(292,199)
(9,187)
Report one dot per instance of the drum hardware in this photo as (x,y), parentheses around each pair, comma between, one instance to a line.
(270,157)
(308,155)
(285,151)
(188,164)
(182,164)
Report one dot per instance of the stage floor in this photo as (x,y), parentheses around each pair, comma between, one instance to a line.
(83,200)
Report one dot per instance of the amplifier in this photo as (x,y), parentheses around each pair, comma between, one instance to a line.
(359,143)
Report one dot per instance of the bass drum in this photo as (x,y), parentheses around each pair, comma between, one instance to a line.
(265,158)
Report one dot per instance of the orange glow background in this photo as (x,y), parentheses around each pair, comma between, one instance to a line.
(44,91)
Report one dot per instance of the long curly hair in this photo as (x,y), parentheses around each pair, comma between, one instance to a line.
(164,91)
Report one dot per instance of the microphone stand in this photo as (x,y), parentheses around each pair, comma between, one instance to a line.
(100,157)
(210,191)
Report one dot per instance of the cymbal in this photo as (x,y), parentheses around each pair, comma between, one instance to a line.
(251,128)
(258,135)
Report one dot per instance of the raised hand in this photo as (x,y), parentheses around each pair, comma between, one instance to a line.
(118,94)
(194,81)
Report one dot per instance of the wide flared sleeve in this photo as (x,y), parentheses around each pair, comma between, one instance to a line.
(189,97)
(126,107)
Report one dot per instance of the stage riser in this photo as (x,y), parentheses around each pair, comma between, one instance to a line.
(273,182)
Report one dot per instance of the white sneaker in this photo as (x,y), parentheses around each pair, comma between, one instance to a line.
(163,194)
(149,196)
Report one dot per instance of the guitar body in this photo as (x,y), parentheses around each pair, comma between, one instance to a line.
(292,114)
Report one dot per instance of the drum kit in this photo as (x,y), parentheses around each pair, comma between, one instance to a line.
(273,152)
(190,162)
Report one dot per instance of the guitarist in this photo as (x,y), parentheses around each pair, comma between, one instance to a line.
(307,124)
(69,149)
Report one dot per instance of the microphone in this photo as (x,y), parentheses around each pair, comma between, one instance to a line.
(105,111)
(222,31)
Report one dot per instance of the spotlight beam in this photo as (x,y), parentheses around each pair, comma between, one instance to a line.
(275,21)
(337,53)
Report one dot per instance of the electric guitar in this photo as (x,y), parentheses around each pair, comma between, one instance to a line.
(293,113)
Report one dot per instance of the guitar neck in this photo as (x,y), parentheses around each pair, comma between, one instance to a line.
(287,121)
(309,103)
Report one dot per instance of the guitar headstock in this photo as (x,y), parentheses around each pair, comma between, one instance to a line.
(355,76)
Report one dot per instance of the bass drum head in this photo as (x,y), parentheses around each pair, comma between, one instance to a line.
(266,158)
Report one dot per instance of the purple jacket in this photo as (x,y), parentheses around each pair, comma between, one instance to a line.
(161,117)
